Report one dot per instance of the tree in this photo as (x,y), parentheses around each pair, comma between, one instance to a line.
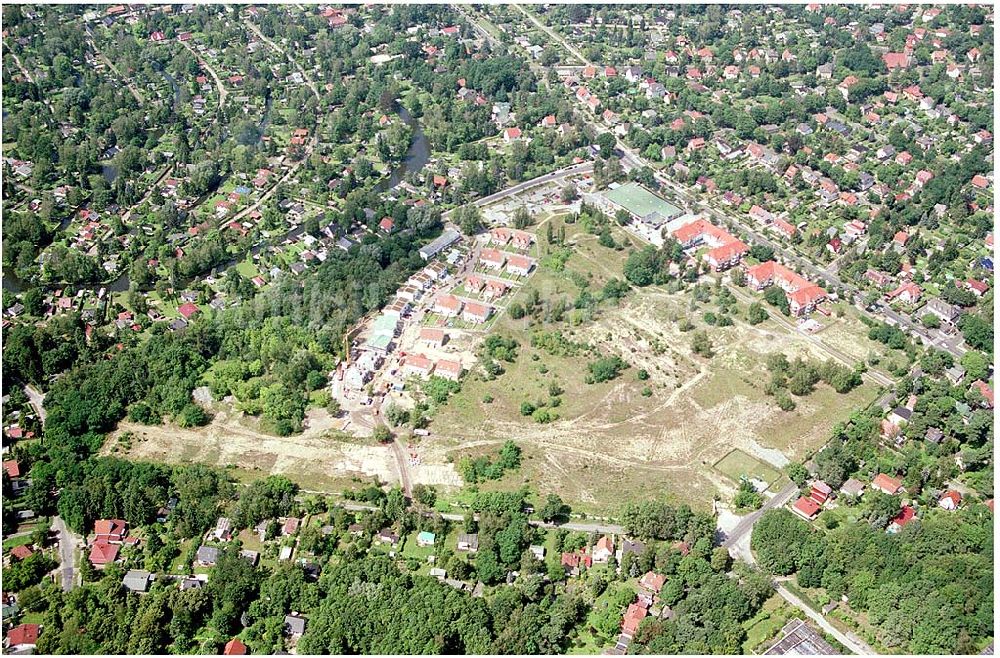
(778,539)
(797,473)
(756,313)
(720,559)
(382,434)
(606,142)
(701,344)
(747,496)
(553,509)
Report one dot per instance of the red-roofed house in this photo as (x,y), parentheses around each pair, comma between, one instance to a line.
(980,182)
(820,492)
(11,466)
(652,581)
(448,369)
(447,305)
(417,364)
(895,61)
(102,553)
(477,313)
(886,484)
(21,552)
(432,337)
(187,309)
(898,522)
(633,617)
(235,648)
(110,530)
(510,134)
(909,293)
(985,390)
(603,550)
(492,258)
(386,224)
(23,638)
(950,500)
(977,287)
(901,238)
(519,265)
(806,508)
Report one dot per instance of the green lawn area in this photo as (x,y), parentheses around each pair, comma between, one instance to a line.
(16,541)
(247,268)
(738,463)
(766,623)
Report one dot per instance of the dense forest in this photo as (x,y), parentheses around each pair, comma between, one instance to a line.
(926,590)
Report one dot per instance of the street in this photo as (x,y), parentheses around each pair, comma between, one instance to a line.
(68,543)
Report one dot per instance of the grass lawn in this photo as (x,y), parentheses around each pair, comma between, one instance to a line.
(738,463)
(16,541)
(247,268)
(764,626)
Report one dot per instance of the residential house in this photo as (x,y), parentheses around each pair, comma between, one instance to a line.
(887,484)
(950,500)
(603,550)
(806,508)
(468,542)
(477,313)
(137,580)
(900,521)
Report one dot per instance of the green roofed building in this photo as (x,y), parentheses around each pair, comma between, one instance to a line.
(385,324)
(643,205)
(379,342)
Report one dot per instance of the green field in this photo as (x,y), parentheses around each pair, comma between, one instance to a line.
(640,202)
(737,463)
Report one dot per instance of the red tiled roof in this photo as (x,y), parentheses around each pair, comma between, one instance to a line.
(21,552)
(807,507)
(187,309)
(905,516)
(23,634)
(235,647)
(103,553)
(886,483)
(11,466)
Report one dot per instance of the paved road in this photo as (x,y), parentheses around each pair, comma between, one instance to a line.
(68,543)
(559,174)
(128,83)
(36,398)
(211,71)
(632,160)
(746,524)
(853,643)
(554,35)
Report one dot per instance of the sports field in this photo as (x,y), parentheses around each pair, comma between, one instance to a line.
(641,202)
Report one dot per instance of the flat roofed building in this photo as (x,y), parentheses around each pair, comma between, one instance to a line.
(798,639)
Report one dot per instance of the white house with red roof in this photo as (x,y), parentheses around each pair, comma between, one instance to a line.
(806,508)
(950,500)
(901,520)
(448,369)
(492,258)
(603,550)
(447,305)
(477,313)
(520,265)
